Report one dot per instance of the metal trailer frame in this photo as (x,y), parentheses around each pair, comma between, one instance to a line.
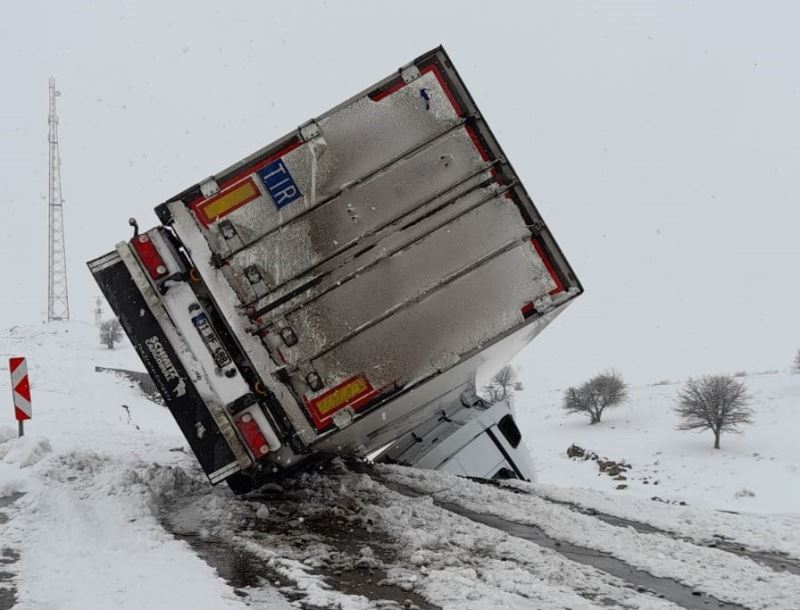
(241,327)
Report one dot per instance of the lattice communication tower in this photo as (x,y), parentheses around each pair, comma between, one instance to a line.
(57,299)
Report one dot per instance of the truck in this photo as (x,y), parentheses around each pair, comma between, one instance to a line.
(480,442)
(339,288)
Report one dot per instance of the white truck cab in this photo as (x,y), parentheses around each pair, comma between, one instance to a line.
(481,441)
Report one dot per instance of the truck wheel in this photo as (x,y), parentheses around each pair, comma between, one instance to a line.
(241,483)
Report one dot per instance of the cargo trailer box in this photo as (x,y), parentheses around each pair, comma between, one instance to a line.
(343,283)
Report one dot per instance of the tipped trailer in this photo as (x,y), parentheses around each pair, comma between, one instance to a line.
(339,287)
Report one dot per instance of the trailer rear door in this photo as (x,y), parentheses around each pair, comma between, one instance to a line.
(375,247)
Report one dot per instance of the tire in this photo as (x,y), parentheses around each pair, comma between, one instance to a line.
(241,483)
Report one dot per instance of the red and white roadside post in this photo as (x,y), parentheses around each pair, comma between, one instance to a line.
(20,390)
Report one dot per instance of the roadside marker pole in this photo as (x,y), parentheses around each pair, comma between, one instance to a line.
(20,390)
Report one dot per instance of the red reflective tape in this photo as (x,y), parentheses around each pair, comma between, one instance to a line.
(398,84)
(20,415)
(438,74)
(379,94)
(14,363)
(23,388)
(473,135)
(549,266)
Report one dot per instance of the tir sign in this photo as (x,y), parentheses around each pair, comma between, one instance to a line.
(279,183)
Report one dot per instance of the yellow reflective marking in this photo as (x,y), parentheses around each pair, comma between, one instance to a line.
(214,208)
(342,395)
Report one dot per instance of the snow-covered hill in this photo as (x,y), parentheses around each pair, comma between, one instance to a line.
(756,471)
(102,506)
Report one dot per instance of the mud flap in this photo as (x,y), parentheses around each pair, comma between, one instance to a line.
(180,395)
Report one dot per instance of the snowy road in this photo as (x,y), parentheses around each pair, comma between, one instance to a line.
(378,538)
(101,506)
(335,534)
(399,538)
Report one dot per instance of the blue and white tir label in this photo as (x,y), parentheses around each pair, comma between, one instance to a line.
(279,183)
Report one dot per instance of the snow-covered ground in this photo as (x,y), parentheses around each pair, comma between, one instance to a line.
(86,538)
(105,508)
(758,471)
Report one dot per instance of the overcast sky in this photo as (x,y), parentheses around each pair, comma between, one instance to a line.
(658,139)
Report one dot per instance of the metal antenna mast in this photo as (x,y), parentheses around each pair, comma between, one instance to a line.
(57,300)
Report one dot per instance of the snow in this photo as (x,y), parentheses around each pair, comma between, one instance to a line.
(759,532)
(87,534)
(451,561)
(677,465)
(25,452)
(85,544)
(84,494)
(718,573)
(462,564)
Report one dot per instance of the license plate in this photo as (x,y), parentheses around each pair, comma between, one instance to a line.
(218,353)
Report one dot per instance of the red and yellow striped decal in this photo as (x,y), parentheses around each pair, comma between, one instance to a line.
(354,392)
(227,201)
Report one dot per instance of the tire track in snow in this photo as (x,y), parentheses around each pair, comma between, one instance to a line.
(406,553)
(644,582)
(307,551)
(441,542)
(725,576)
(775,561)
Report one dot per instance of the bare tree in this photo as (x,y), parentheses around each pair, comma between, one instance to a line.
(718,403)
(110,333)
(503,385)
(797,362)
(596,395)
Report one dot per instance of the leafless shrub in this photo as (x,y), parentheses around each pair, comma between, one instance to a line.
(596,395)
(110,333)
(718,403)
(503,385)
(662,382)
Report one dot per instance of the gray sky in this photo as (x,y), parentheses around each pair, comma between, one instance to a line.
(659,140)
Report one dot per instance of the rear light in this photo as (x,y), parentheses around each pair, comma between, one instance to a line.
(252,435)
(149,256)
